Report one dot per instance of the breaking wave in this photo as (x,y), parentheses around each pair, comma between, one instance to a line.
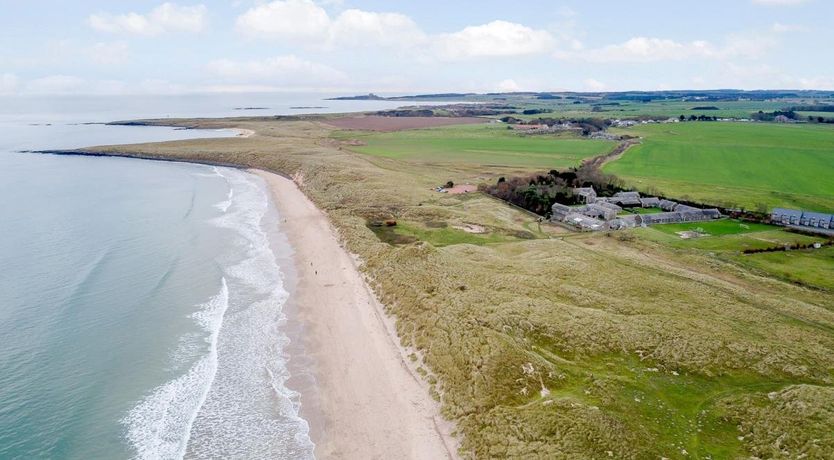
(160,425)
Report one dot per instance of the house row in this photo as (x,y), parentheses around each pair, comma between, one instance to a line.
(783,216)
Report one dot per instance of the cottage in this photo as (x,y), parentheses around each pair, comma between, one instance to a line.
(817,219)
(785,216)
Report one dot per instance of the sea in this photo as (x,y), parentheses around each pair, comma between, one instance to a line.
(142,303)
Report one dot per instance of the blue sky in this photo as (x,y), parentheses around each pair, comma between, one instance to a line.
(152,47)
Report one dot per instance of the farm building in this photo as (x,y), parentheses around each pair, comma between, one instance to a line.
(626,198)
(584,222)
(782,216)
(587,194)
(650,202)
(603,210)
(560,211)
(668,205)
(685,208)
(603,214)
(695,215)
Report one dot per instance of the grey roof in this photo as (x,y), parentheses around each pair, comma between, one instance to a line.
(817,215)
(685,208)
(607,205)
(787,212)
(584,221)
(629,195)
(650,200)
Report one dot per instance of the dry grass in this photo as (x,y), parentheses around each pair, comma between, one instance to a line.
(637,348)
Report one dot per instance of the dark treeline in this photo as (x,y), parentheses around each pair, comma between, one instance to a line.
(813,108)
(771,116)
(697,118)
(537,193)
(587,125)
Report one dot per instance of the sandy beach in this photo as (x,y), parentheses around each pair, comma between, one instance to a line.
(366,402)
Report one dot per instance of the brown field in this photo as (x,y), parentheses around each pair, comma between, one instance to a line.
(387,124)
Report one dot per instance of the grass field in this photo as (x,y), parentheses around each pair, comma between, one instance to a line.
(747,164)
(717,227)
(728,239)
(658,109)
(812,267)
(492,145)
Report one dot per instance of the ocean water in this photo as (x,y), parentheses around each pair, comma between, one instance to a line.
(141,302)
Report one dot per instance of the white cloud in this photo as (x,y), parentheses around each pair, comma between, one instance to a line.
(8,83)
(780,28)
(508,86)
(109,53)
(646,49)
(357,27)
(167,17)
(595,85)
(306,22)
(285,19)
(495,39)
(278,71)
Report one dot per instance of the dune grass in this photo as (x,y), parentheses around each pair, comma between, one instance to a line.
(747,164)
(566,346)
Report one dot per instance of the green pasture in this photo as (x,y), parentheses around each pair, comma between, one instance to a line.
(481,145)
(716,227)
(734,164)
(729,238)
(658,109)
(811,267)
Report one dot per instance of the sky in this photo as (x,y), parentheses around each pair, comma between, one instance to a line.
(358,46)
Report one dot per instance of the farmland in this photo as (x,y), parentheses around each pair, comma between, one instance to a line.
(492,145)
(746,164)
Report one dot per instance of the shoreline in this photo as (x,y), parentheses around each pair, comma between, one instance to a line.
(362,399)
